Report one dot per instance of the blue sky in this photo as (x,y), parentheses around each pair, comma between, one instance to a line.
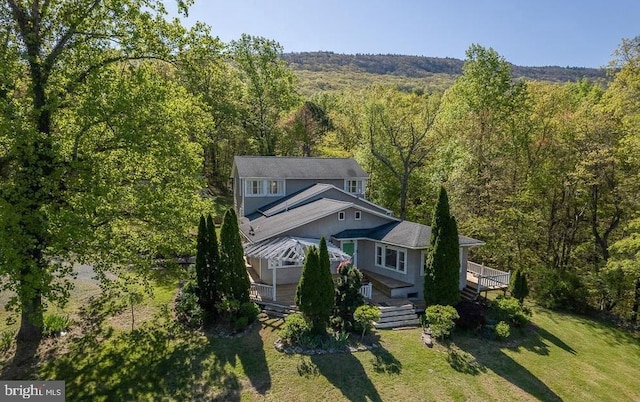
(530,33)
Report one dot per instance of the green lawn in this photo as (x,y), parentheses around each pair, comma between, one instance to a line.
(560,357)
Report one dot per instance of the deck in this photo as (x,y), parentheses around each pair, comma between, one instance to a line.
(286,293)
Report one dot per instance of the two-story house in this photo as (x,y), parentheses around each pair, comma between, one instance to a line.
(287,204)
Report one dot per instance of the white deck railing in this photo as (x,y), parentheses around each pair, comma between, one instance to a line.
(366,290)
(489,278)
(262,291)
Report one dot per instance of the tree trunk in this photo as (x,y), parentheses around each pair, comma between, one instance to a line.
(636,303)
(31,317)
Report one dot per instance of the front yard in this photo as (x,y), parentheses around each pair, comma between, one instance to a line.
(558,357)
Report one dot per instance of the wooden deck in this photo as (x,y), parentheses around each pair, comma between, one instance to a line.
(285,295)
(472,281)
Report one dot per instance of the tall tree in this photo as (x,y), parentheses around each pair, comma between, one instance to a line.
(269,88)
(232,259)
(398,131)
(201,263)
(304,129)
(214,273)
(85,144)
(442,267)
(315,292)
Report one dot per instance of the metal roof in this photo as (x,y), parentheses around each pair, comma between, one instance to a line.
(291,249)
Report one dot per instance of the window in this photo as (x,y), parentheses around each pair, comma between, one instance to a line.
(281,264)
(276,187)
(341,215)
(355,186)
(358,215)
(391,258)
(265,188)
(254,187)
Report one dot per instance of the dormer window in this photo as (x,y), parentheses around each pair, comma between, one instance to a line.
(276,187)
(355,186)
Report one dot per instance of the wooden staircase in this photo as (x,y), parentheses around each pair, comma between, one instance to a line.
(397,316)
(276,310)
(469,293)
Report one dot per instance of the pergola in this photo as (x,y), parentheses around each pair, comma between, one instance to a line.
(289,250)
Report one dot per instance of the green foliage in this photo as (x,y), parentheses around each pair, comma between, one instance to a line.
(348,297)
(562,290)
(240,323)
(442,267)
(237,284)
(228,310)
(6,339)
(518,286)
(294,328)
(187,307)
(365,316)
(510,310)
(54,324)
(201,262)
(315,293)
(502,330)
(441,320)
(250,310)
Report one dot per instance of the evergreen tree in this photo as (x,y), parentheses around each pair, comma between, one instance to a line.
(442,268)
(213,267)
(315,294)
(519,288)
(348,296)
(236,284)
(201,262)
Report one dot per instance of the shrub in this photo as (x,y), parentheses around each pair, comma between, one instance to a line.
(54,324)
(502,330)
(294,329)
(472,315)
(441,320)
(364,317)
(188,309)
(228,309)
(518,286)
(240,323)
(315,294)
(6,339)
(555,289)
(250,310)
(510,310)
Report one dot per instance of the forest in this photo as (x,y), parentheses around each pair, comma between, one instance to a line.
(114,122)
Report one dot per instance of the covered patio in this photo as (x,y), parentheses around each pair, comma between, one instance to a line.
(284,253)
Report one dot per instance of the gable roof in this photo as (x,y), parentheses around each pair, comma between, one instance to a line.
(316,190)
(403,233)
(297,168)
(265,227)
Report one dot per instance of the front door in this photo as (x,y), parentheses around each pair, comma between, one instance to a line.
(350,248)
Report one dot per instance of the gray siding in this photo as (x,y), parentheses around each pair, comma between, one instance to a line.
(330,225)
(294,185)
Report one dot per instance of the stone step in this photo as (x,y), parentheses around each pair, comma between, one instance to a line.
(395,324)
(384,309)
(401,317)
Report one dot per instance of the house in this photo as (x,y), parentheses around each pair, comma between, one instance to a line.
(287,204)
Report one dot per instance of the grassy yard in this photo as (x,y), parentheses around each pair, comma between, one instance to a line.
(559,357)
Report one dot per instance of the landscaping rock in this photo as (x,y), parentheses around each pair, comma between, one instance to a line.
(426,339)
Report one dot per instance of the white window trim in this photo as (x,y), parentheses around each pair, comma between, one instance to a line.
(341,213)
(271,264)
(361,185)
(398,250)
(264,187)
(357,215)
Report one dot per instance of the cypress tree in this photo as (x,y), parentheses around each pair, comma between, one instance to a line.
(442,268)
(519,287)
(213,266)
(315,294)
(201,261)
(348,296)
(236,280)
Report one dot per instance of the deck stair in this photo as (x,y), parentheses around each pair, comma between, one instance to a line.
(469,293)
(397,316)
